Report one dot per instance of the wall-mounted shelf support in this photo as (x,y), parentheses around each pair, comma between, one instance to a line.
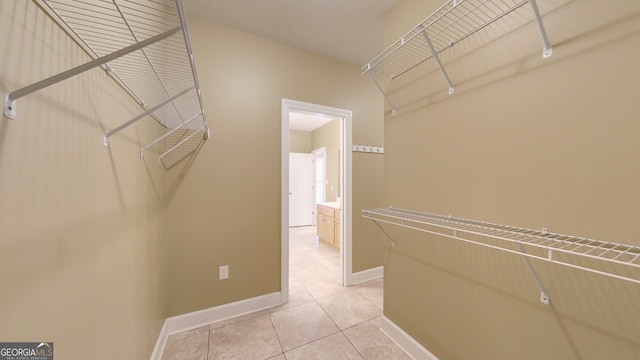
(386,234)
(451,23)
(544,294)
(384,94)
(9,108)
(435,56)
(614,260)
(547,51)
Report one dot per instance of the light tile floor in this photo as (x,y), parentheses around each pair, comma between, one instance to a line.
(322,320)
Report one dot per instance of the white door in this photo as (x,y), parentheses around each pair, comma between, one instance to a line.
(301,193)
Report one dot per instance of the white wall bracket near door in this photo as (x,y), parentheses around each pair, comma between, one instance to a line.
(155,66)
(610,259)
(368,149)
(451,23)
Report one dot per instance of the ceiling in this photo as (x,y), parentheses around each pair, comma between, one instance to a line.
(305,121)
(346,30)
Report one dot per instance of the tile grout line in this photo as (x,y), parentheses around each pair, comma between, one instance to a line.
(208,340)
(350,342)
(341,331)
(273,326)
(326,268)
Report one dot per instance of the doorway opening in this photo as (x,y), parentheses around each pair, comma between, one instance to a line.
(340,192)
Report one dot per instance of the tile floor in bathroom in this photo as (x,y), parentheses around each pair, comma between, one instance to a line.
(322,320)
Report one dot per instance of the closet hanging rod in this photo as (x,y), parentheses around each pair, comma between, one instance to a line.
(610,259)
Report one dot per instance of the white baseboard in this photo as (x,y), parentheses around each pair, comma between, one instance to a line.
(204,317)
(367,275)
(405,341)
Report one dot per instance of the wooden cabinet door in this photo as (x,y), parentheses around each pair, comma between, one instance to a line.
(326,225)
(336,230)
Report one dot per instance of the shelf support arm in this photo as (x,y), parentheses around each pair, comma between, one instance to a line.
(544,295)
(437,59)
(386,98)
(10,100)
(393,242)
(547,51)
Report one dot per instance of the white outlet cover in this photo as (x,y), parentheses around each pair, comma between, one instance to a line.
(223,272)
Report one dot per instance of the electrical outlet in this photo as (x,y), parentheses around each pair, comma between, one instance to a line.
(223,272)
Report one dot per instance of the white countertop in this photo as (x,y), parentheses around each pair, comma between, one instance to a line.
(334,204)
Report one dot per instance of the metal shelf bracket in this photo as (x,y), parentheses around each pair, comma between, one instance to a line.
(386,98)
(547,51)
(386,234)
(544,295)
(435,56)
(9,108)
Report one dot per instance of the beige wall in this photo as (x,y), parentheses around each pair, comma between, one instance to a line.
(328,136)
(82,246)
(226,210)
(527,142)
(299,141)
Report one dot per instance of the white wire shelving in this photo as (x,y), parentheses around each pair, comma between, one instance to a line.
(600,257)
(451,23)
(144,46)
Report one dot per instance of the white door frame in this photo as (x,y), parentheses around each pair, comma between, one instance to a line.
(345,185)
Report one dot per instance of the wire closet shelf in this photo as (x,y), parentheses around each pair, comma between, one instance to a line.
(605,258)
(451,23)
(145,46)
